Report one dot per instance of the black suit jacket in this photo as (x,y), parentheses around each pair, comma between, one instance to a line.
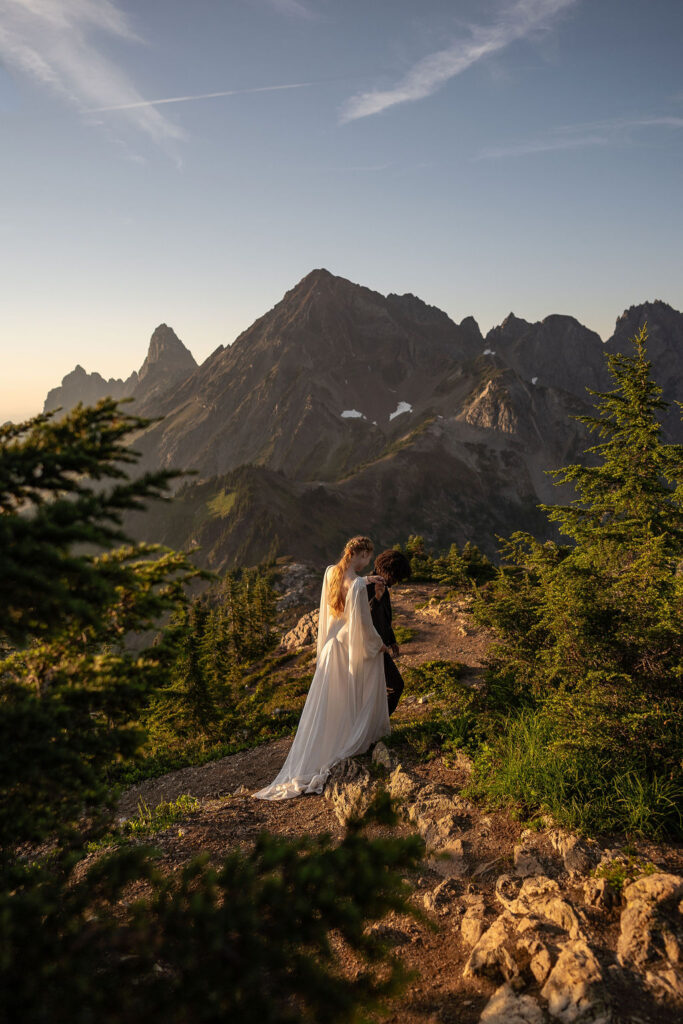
(380,607)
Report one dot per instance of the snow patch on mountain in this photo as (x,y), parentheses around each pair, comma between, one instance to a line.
(400,409)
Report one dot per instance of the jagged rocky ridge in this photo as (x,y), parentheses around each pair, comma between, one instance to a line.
(343,410)
(168,362)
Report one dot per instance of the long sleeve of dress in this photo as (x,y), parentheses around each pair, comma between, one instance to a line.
(364,640)
(367,693)
(325,614)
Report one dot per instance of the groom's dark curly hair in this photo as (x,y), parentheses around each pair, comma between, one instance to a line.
(393,566)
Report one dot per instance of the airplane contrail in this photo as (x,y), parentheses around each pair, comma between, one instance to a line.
(200,96)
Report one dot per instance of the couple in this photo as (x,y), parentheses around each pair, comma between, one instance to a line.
(356,684)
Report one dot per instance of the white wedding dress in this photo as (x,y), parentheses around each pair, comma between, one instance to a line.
(346,707)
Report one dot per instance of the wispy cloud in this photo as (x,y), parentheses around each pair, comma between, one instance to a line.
(577,136)
(52,42)
(518,20)
(200,96)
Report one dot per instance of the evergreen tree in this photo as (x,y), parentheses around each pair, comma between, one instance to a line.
(593,628)
(613,604)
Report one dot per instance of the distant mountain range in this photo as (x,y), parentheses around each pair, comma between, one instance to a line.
(342,410)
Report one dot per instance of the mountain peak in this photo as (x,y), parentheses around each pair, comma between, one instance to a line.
(317,275)
(511,322)
(167,355)
(643,310)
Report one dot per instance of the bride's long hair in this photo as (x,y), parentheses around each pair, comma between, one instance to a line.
(335,597)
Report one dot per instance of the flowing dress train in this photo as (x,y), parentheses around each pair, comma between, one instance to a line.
(346,707)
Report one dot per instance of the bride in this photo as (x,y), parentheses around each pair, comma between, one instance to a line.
(346,708)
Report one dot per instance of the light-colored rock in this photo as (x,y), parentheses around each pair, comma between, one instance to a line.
(597,892)
(473,926)
(578,854)
(440,899)
(402,786)
(651,922)
(539,897)
(460,762)
(506,1007)
(526,860)
(392,934)
(381,755)
(666,984)
(304,633)
(439,816)
(451,861)
(575,989)
(491,956)
(350,788)
(540,962)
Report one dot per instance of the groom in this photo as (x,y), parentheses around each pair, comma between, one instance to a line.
(393,567)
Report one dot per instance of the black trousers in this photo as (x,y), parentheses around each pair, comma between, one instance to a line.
(394,682)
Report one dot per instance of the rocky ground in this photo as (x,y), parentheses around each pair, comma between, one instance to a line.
(520,927)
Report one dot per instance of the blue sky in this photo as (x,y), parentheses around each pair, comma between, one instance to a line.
(487,155)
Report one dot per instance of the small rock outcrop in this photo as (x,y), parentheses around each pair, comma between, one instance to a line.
(473,926)
(539,898)
(303,634)
(575,988)
(350,789)
(651,937)
(541,936)
(507,1007)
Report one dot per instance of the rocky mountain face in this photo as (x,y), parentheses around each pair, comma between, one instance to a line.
(342,410)
(168,362)
(665,350)
(81,386)
(314,387)
(558,352)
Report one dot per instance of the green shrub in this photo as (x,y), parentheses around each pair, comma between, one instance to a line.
(589,635)
(621,870)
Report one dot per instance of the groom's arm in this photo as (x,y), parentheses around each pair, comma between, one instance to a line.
(391,637)
(382,622)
